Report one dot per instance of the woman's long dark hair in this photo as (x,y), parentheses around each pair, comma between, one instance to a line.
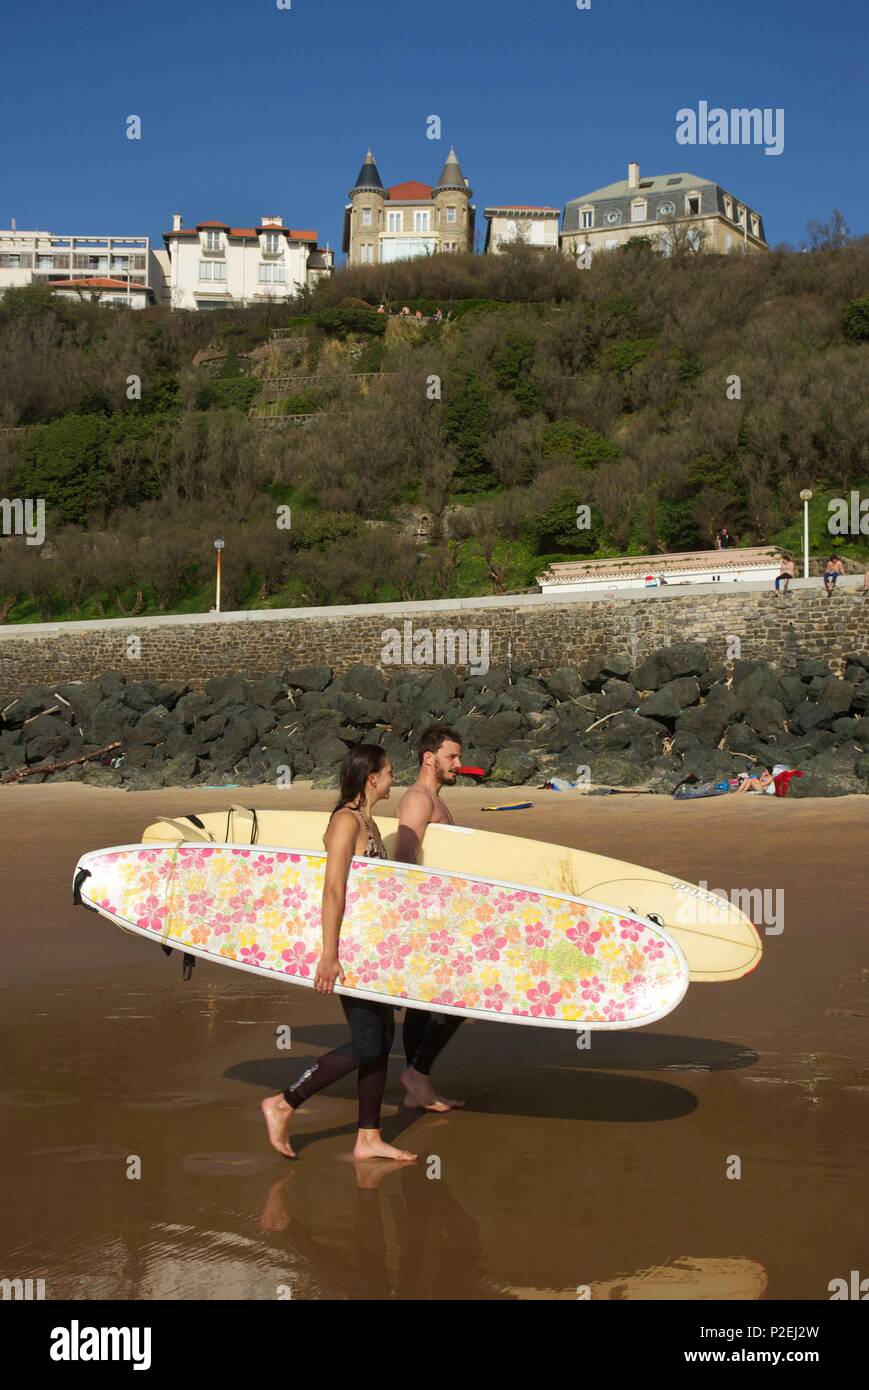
(361,761)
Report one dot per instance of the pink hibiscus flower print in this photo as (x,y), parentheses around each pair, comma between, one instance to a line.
(293,897)
(543,1000)
(628,930)
(349,950)
(195,858)
(222,922)
(440,942)
(489,946)
(150,856)
(252,955)
(583,937)
(481,888)
(199,902)
(240,853)
(462,964)
(614,1012)
(591,989)
(631,986)
(108,906)
(151,914)
(435,892)
(503,902)
(495,997)
(392,952)
(536,934)
(448,998)
(368,971)
(389,890)
(298,960)
(262,865)
(653,949)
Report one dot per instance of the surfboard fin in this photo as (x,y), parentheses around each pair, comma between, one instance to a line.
(187,962)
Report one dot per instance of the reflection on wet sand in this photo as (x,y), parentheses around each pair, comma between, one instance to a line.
(568,1167)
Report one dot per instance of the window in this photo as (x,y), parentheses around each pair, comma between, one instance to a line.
(692,204)
(586,218)
(728,242)
(212,270)
(272,274)
(366,217)
(212,241)
(613,217)
(394,221)
(45,263)
(755,225)
(638,212)
(666,209)
(672,182)
(271,243)
(451,214)
(728,208)
(421,221)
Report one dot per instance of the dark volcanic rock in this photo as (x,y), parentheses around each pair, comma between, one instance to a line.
(308,677)
(669,701)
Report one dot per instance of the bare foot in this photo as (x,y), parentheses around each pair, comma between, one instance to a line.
(370,1145)
(421,1096)
(277,1117)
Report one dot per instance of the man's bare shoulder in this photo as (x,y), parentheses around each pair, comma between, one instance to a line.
(415,802)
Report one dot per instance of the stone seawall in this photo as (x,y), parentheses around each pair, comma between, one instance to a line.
(543,632)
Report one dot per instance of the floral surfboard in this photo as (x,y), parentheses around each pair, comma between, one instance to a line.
(452,942)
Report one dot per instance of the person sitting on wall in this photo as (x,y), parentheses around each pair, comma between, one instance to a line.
(832,572)
(786,574)
(726,539)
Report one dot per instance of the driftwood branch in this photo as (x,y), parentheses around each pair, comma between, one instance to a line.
(57,767)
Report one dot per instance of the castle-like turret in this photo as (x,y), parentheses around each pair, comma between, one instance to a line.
(454,215)
(364,216)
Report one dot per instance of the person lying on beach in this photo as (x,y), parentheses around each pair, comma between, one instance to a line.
(756,784)
(425,1034)
(366,778)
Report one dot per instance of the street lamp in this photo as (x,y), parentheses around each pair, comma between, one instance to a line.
(806,497)
(218,546)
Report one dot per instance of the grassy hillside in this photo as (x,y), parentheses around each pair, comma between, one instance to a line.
(543,389)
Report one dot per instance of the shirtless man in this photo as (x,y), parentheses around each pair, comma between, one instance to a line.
(425,1034)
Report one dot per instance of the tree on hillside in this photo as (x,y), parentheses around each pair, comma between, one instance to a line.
(828,235)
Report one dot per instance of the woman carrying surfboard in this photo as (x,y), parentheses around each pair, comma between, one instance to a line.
(366,778)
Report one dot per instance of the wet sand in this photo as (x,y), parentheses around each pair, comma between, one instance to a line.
(604,1168)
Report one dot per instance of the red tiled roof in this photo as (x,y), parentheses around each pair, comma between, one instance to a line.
(411,189)
(247,232)
(97,282)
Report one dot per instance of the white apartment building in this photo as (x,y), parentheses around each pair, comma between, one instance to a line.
(509,223)
(214,265)
(112,269)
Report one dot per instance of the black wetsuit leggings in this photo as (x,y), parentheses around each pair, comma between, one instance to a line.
(372,1028)
(424,1035)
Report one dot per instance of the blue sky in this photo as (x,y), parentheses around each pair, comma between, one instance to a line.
(248,109)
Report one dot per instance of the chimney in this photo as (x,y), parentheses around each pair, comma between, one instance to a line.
(271,221)
(176,221)
(633,174)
